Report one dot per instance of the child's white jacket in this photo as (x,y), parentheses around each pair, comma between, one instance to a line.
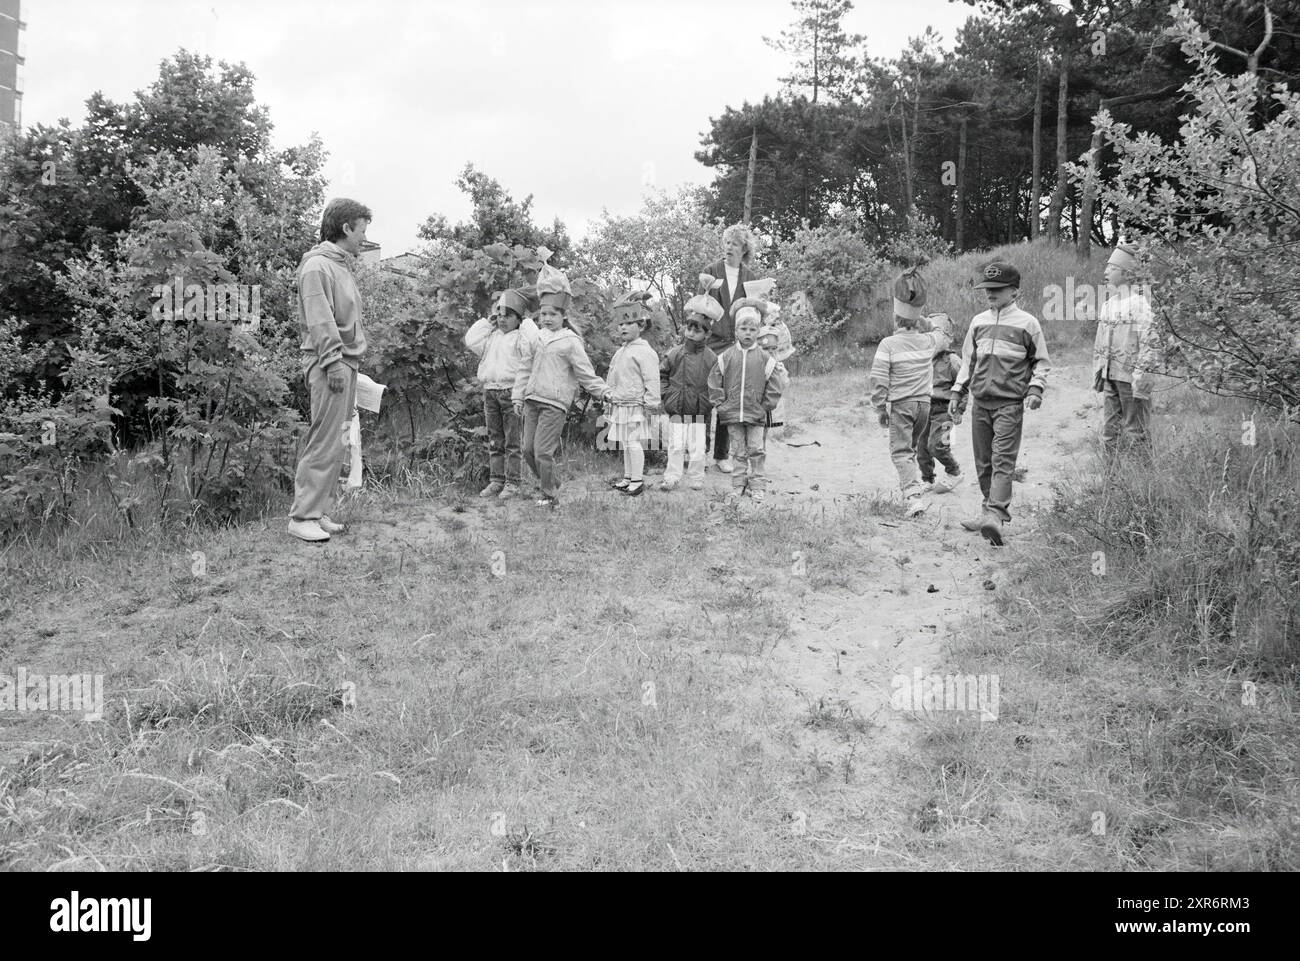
(634,375)
(500,353)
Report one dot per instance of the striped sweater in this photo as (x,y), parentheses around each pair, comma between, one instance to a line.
(1003,359)
(904,367)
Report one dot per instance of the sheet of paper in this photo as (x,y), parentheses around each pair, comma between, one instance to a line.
(369,394)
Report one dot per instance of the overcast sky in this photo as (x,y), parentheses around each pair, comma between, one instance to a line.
(578,103)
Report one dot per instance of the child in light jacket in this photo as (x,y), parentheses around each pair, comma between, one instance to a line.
(633,389)
(550,374)
(744,386)
(500,342)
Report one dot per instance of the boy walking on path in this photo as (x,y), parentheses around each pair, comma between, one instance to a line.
(329,318)
(901,377)
(1004,366)
(1124,355)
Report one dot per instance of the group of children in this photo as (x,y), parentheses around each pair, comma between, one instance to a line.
(532,372)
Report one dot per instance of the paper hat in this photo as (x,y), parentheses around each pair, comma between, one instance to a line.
(998,273)
(516,300)
(553,288)
(754,308)
(760,289)
(767,330)
(708,282)
(941,321)
(909,294)
(634,305)
(706,307)
(1125,255)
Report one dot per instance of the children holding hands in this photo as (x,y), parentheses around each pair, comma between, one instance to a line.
(548,379)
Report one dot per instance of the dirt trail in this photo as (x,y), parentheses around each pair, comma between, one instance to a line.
(847,646)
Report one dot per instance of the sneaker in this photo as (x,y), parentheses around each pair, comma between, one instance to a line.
(510,493)
(757,496)
(329,526)
(309,530)
(916,505)
(620,483)
(668,485)
(697,485)
(545,501)
(991,529)
(492,490)
(724,465)
(633,488)
(948,483)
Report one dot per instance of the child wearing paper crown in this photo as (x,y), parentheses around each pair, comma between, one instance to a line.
(744,386)
(902,376)
(935,442)
(500,342)
(774,337)
(633,389)
(549,376)
(685,388)
(1004,366)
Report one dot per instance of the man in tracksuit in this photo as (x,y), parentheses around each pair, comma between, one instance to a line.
(1004,365)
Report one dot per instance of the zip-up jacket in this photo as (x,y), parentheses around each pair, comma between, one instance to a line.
(903,368)
(1125,348)
(634,375)
(329,307)
(1004,358)
(745,384)
(552,367)
(499,352)
(684,375)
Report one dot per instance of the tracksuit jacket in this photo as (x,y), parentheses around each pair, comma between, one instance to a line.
(745,384)
(684,375)
(329,308)
(1003,359)
(903,368)
(552,367)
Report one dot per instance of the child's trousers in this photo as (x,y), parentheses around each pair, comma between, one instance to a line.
(503,427)
(748,455)
(1126,419)
(995,435)
(686,439)
(543,425)
(935,443)
(907,422)
(320,461)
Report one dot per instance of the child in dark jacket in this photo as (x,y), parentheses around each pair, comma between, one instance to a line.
(685,374)
(745,386)
(935,443)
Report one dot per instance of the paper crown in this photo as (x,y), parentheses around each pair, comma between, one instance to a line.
(702,305)
(1125,255)
(553,288)
(708,282)
(760,289)
(754,307)
(634,305)
(519,301)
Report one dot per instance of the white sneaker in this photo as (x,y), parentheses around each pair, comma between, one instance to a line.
(756,496)
(724,466)
(916,505)
(307,531)
(945,483)
(329,526)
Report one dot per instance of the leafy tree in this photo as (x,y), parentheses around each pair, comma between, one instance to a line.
(821,50)
(497,218)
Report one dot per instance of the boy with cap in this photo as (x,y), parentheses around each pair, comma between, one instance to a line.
(745,386)
(684,372)
(500,342)
(1124,355)
(935,443)
(1004,366)
(902,376)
